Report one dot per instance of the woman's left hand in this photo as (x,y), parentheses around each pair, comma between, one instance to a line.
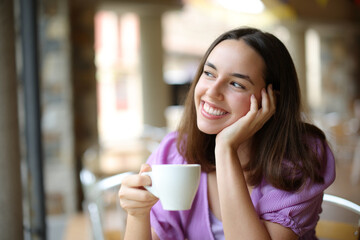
(244,128)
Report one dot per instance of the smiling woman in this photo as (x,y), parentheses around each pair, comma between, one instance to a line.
(264,170)
(224,89)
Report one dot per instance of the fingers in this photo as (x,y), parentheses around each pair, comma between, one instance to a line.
(272,96)
(258,117)
(268,106)
(136,181)
(136,201)
(132,188)
(145,168)
(253,109)
(145,179)
(268,102)
(253,113)
(136,195)
(133,197)
(253,104)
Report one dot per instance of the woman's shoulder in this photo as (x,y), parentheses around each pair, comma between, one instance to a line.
(295,210)
(310,189)
(167,152)
(320,146)
(314,136)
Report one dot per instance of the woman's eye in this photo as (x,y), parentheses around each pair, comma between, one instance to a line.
(237,85)
(209,74)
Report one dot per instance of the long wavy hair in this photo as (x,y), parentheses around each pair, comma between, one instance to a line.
(281,152)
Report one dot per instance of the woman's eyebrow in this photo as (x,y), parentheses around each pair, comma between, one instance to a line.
(238,75)
(242,76)
(210,65)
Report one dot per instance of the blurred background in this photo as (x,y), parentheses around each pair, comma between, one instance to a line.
(96,84)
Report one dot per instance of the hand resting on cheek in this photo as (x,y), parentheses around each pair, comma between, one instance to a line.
(243,129)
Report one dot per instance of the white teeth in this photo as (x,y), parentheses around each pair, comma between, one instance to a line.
(213,111)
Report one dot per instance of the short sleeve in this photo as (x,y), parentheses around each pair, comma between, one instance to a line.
(299,210)
(300,217)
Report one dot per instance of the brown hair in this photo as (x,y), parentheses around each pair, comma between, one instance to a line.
(281,151)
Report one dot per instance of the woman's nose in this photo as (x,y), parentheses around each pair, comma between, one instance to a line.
(216,90)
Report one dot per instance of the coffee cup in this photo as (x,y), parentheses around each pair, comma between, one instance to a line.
(174,184)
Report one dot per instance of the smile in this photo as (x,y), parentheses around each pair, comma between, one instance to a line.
(213,111)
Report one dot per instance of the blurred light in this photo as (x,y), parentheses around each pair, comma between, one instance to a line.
(245,6)
(282,33)
(313,66)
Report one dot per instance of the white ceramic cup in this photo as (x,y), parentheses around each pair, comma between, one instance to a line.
(174,184)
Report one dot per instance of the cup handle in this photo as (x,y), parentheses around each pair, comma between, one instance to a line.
(150,188)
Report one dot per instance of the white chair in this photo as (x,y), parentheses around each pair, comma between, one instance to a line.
(335,229)
(96,193)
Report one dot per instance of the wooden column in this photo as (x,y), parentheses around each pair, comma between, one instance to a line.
(11,222)
(83,82)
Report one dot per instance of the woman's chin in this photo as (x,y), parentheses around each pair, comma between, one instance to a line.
(209,130)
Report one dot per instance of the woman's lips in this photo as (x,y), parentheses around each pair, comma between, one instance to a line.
(212,112)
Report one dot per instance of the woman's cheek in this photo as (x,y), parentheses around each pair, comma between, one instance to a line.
(245,106)
(248,102)
(258,98)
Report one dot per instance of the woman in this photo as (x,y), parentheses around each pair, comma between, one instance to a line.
(264,168)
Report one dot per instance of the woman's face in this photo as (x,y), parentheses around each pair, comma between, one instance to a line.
(232,73)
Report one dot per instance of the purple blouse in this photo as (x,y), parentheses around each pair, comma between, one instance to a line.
(298,211)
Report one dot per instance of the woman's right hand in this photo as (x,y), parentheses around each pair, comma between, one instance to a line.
(134,198)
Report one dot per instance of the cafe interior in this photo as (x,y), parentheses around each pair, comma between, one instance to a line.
(90,88)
